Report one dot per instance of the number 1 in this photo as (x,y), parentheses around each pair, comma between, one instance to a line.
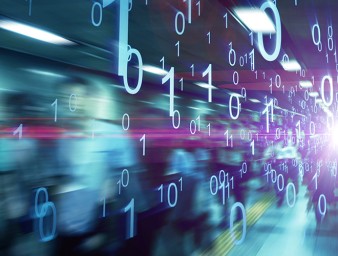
(208,72)
(170,77)
(18,130)
(55,104)
(130,207)
(252,144)
(143,138)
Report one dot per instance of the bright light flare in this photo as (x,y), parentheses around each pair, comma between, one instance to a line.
(154,70)
(33,32)
(305,84)
(255,19)
(291,65)
(205,85)
(314,94)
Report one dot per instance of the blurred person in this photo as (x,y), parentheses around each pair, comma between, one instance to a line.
(187,222)
(232,158)
(219,160)
(323,185)
(91,154)
(154,124)
(18,156)
(285,155)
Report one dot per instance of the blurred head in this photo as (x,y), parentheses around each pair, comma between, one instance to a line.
(74,98)
(19,107)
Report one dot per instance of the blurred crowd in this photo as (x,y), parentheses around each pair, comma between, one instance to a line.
(76,183)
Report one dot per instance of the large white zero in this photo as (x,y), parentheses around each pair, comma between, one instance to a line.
(179,32)
(294,195)
(232,214)
(213,177)
(322,211)
(322,91)
(130,52)
(280,186)
(238,107)
(274,55)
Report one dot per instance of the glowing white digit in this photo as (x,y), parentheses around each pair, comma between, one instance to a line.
(125,117)
(124,173)
(178,119)
(18,130)
(70,104)
(55,103)
(199,7)
(41,211)
(322,198)
(226,133)
(198,119)
(301,170)
(317,175)
(30,7)
(232,218)
(181,31)
(294,195)
(235,78)
(241,61)
(172,185)
(178,48)
(226,20)
(274,55)
(213,178)
(130,207)
(238,106)
(193,124)
(161,189)
(252,144)
(243,93)
(170,77)
(125,52)
(278,81)
(233,54)
(96,5)
(251,38)
(244,167)
(45,207)
(143,139)
(266,110)
(273,176)
(329,79)
(208,72)
(162,60)
(208,35)
(189,10)
(252,57)
(318,42)
(181,81)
